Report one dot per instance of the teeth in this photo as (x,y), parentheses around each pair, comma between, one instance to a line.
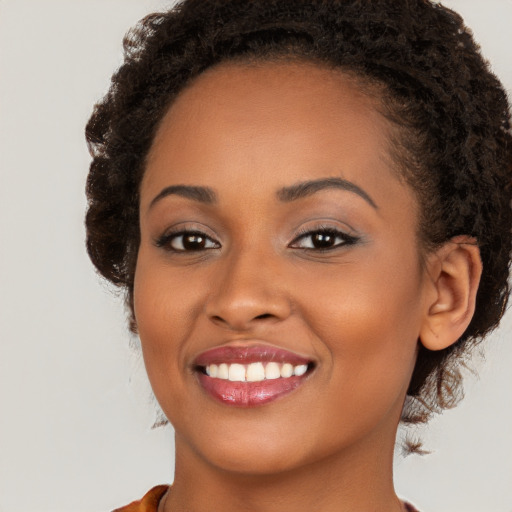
(272,371)
(237,372)
(286,370)
(255,372)
(223,372)
(300,370)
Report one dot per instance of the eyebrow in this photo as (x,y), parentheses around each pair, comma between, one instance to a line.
(308,188)
(200,194)
(286,194)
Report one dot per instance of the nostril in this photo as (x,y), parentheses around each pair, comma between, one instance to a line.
(263,316)
(244,323)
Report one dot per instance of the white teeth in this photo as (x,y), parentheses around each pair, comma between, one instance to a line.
(300,370)
(237,372)
(272,371)
(286,370)
(255,372)
(212,370)
(223,372)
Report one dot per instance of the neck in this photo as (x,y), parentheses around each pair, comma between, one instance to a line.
(358,479)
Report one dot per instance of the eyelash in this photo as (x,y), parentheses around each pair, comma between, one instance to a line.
(325,231)
(166,240)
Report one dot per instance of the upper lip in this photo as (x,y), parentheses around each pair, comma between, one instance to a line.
(246,353)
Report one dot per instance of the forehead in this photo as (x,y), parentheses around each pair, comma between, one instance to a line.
(273,124)
(249,97)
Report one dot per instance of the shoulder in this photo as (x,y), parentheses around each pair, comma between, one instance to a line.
(149,503)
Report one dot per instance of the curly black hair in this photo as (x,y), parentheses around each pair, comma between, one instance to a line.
(452,143)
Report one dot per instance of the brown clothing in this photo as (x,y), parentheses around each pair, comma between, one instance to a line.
(149,503)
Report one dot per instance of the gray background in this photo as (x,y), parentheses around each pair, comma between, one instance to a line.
(75,407)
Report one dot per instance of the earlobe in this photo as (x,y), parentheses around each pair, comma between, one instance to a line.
(454,272)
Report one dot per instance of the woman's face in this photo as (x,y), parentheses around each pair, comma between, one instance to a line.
(279,255)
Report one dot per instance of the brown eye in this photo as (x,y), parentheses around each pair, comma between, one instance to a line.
(187,241)
(323,240)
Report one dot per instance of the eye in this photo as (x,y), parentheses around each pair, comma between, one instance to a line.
(186,241)
(323,239)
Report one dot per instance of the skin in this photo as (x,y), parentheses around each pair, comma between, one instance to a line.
(356,310)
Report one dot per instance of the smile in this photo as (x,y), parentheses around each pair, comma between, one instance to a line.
(250,376)
(255,372)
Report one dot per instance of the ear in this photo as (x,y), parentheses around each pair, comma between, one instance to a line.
(454,272)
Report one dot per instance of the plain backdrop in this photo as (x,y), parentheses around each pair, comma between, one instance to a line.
(75,408)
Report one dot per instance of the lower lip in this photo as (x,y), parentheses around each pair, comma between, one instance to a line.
(249,394)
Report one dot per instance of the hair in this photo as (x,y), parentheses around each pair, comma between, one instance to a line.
(452,139)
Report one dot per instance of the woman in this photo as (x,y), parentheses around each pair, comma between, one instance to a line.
(308,205)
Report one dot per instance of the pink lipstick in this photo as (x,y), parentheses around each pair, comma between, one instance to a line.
(248,376)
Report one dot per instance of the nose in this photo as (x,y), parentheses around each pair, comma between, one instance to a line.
(249,292)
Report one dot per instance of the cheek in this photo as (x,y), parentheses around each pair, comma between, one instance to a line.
(162,296)
(369,315)
(164,316)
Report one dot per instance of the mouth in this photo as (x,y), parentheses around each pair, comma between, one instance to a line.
(250,376)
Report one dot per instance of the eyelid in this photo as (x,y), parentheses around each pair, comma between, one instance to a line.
(182,229)
(338,232)
(166,241)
